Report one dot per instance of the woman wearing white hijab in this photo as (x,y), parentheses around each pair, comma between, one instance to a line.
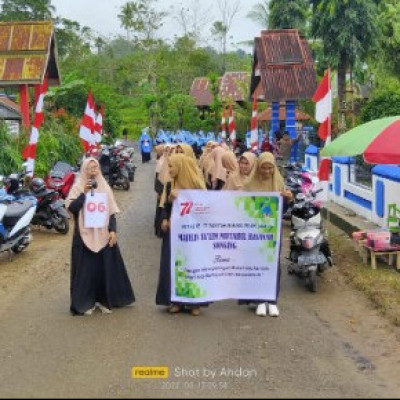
(98,273)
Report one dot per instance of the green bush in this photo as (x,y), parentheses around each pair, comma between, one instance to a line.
(10,154)
(385,104)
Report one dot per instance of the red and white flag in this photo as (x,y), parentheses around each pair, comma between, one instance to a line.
(223,125)
(86,131)
(98,126)
(232,127)
(254,127)
(29,153)
(323,112)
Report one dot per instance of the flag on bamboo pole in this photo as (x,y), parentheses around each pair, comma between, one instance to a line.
(254,127)
(29,153)
(232,127)
(86,131)
(323,111)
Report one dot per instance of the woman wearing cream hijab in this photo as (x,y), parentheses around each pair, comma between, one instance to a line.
(266,178)
(184,175)
(98,273)
(247,161)
(233,179)
(218,172)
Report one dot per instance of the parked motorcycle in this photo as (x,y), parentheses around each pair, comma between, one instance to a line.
(114,170)
(309,249)
(51,211)
(61,178)
(15,219)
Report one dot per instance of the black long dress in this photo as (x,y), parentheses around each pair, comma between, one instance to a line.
(97,277)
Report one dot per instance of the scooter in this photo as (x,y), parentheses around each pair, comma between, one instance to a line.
(309,249)
(15,219)
(51,211)
(61,178)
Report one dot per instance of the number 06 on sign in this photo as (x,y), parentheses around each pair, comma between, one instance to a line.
(95,211)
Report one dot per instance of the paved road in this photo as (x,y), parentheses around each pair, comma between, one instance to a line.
(328,344)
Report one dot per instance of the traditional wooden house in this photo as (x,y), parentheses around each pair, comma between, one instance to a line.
(27,54)
(232,87)
(282,71)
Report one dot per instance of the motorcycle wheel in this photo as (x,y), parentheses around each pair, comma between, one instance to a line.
(126,185)
(61,225)
(312,281)
(131,177)
(18,248)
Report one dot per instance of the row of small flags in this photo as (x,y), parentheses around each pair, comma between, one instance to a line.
(232,126)
(90,132)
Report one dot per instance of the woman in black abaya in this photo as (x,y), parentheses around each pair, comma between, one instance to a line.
(98,273)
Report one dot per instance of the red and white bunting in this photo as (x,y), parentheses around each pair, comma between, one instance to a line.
(86,131)
(323,111)
(254,127)
(98,126)
(223,125)
(29,153)
(232,127)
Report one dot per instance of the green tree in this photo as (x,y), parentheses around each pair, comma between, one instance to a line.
(143,18)
(126,17)
(10,155)
(73,40)
(349,31)
(389,18)
(288,14)
(26,10)
(260,13)
(221,28)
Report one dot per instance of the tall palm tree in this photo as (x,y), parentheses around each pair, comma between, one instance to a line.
(288,14)
(349,30)
(260,13)
(126,17)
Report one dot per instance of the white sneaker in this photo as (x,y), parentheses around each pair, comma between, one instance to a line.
(90,311)
(261,310)
(103,309)
(273,310)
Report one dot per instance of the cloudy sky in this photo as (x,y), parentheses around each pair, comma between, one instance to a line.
(101,16)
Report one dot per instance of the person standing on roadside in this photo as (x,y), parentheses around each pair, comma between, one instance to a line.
(98,274)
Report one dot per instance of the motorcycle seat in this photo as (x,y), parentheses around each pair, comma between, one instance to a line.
(15,211)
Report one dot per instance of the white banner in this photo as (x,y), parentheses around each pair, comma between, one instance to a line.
(225,245)
(95,211)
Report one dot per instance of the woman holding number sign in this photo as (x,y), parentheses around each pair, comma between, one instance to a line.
(98,274)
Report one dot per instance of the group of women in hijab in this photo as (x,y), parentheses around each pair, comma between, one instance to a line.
(217,169)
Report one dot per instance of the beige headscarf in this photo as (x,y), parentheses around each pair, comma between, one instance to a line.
(205,154)
(233,179)
(188,176)
(187,149)
(163,175)
(274,184)
(218,171)
(95,239)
